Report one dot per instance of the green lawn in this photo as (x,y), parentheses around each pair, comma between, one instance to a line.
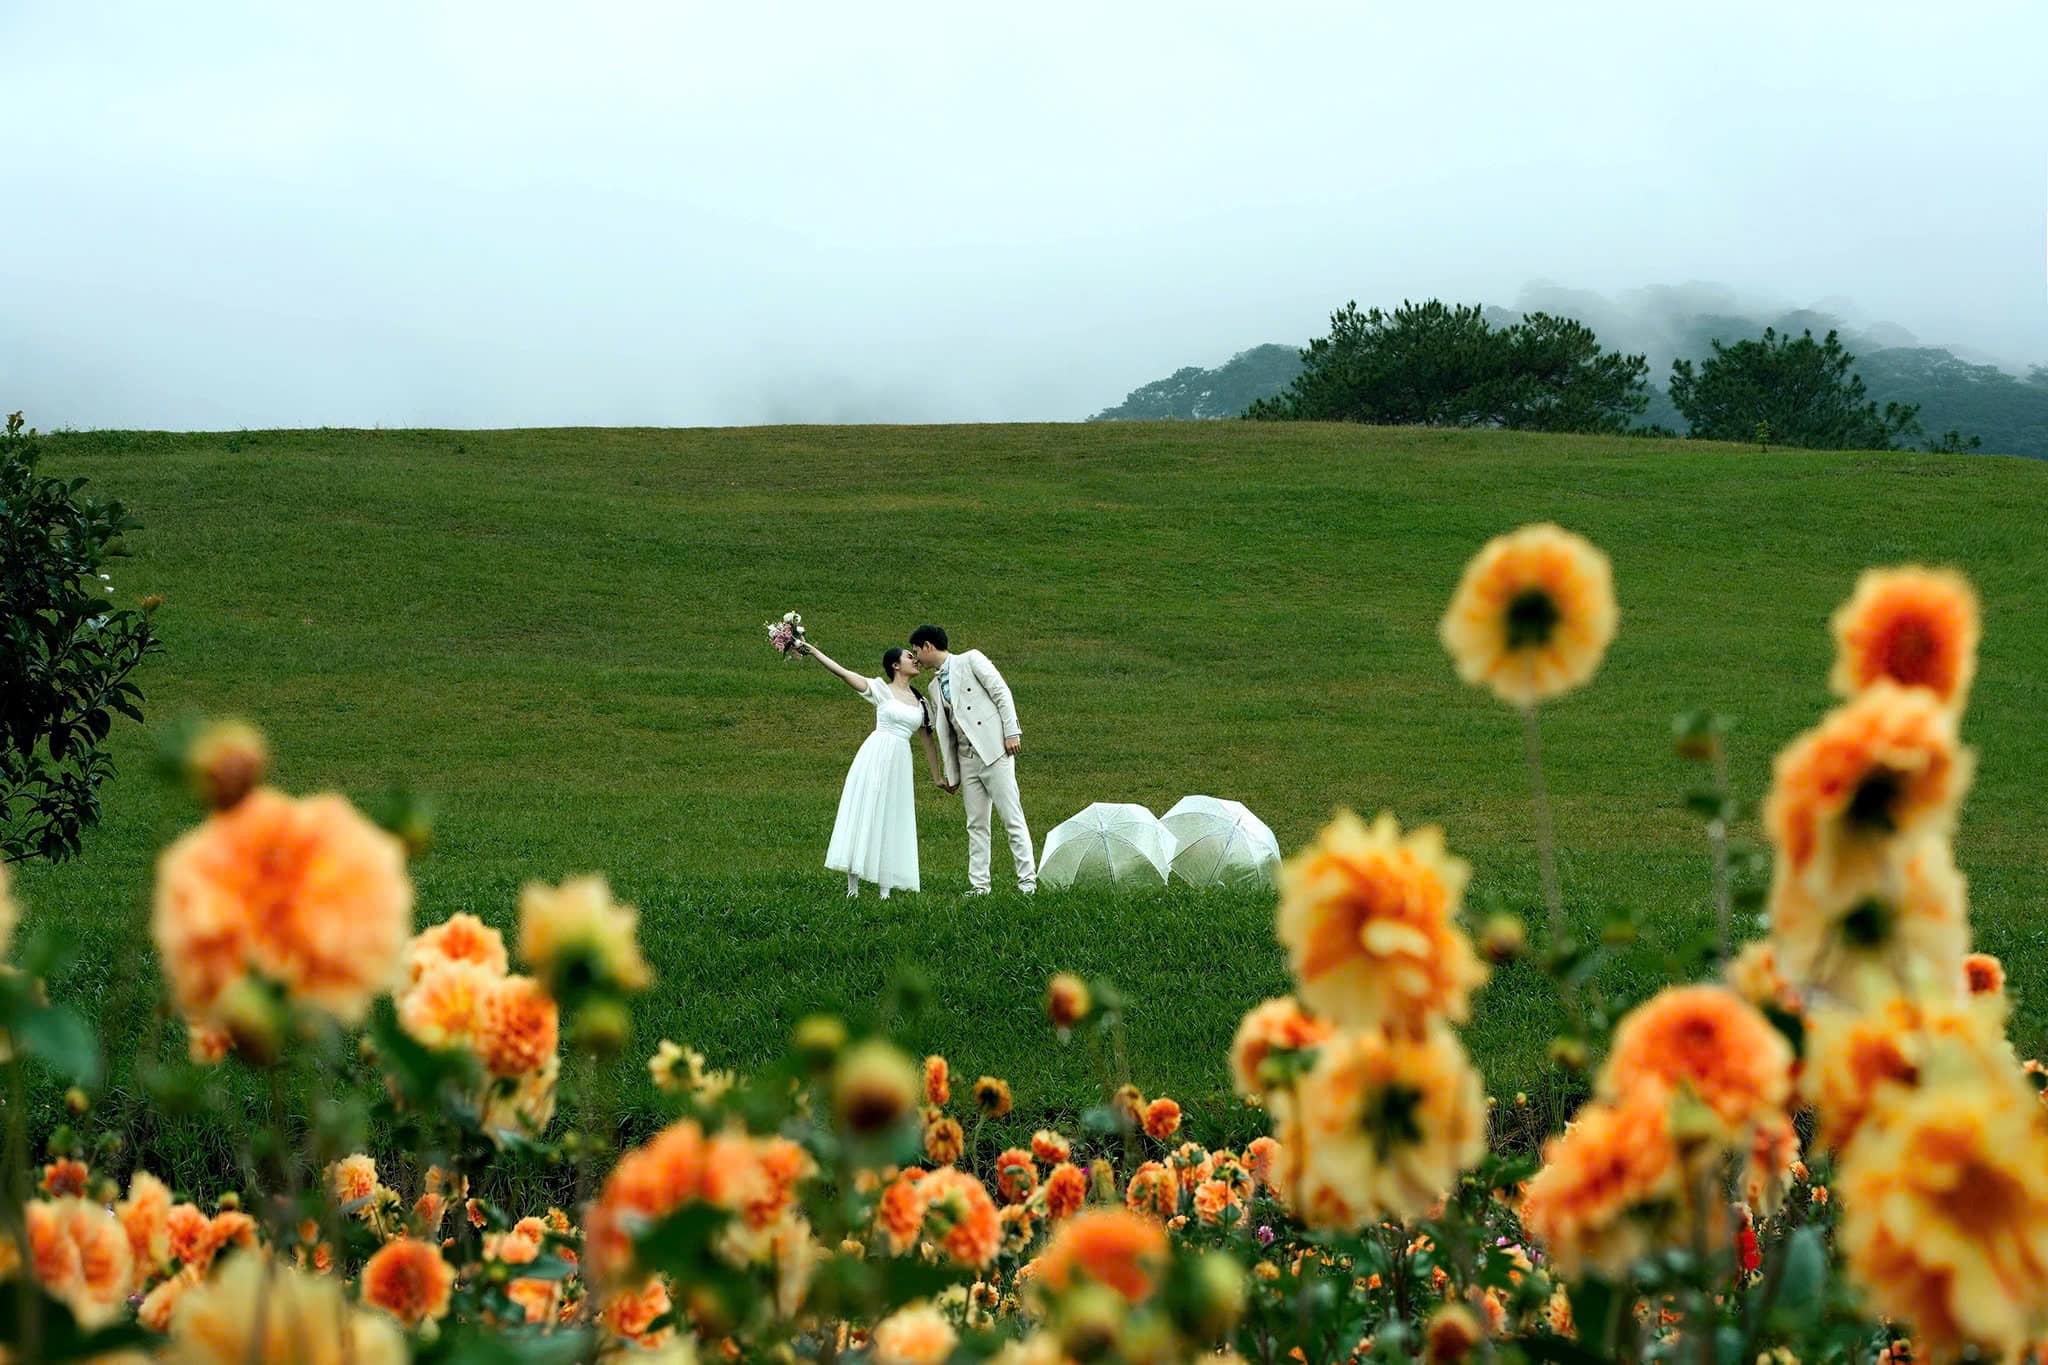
(558,635)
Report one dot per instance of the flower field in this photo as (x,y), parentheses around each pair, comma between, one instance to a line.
(1533,1065)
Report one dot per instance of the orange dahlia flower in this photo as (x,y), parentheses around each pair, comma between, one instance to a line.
(1066,1000)
(1050,1147)
(631,1313)
(1162,1119)
(518,1027)
(679,1165)
(1274,1027)
(1533,615)
(1592,1200)
(1913,626)
(1366,917)
(1066,1189)
(1261,1156)
(1122,1250)
(65,1176)
(1387,1122)
(409,1280)
(1705,1039)
(938,1085)
(444,1007)
(900,1211)
(1945,1217)
(944,1140)
(79,1253)
(461,937)
(1883,768)
(1216,1199)
(307,893)
(145,1217)
(1154,1191)
(961,1217)
(1016,1175)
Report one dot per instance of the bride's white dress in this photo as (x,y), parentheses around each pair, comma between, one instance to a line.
(875,836)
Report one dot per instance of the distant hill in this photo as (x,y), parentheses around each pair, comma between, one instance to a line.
(1226,391)
(2008,412)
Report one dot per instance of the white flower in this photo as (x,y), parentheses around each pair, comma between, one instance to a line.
(791,617)
(105,578)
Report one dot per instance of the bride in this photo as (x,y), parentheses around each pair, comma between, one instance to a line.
(875,837)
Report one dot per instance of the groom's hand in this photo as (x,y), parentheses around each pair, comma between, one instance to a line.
(1012,743)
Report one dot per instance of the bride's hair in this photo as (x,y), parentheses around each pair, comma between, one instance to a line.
(890,659)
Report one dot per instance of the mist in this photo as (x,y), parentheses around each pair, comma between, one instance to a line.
(471,215)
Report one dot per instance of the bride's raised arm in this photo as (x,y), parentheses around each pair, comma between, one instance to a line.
(846,675)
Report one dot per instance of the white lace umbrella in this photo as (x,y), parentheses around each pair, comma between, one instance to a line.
(1220,843)
(1108,844)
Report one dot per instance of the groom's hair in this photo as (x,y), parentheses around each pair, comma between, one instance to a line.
(935,636)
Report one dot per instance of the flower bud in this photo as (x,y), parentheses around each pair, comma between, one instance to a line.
(602,1026)
(819,1038)
(76,1102)
(226,762)
(1066,1001)
(253,1017)
(1568,1054)
(874,1089)
(1503,938)
(1217,1294)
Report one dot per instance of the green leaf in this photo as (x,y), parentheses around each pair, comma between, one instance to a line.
(1593,1312)
(1802,1281)
(63,1040)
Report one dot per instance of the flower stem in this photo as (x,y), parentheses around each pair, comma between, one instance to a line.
(1717,838)
(1546,851)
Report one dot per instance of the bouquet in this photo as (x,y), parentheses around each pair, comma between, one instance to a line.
(787,635)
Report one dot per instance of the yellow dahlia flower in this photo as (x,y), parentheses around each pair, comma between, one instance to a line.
(1532,616)
(236,1316)
(1366,916)
(576,930)
(1388,1122)
(1905,924)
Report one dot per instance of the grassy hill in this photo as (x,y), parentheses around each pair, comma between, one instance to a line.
(557,635)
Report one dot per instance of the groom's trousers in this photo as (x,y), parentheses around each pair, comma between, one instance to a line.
(993,786)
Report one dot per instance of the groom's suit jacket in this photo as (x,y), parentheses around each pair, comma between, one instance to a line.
(981,716)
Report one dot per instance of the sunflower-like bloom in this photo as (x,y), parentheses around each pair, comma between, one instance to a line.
(1388,1121)
(1124,1251)
(874,1088)
(680,1165)
(1913,626)
(960,1217)
(459,938)
(576,932)
(1532,616)
(944,1140)
(917,1335)
(1274,1028)
(1366,916)
(1610,1186)
(307,893)
(1707,1040)
(1906,923)
(257,1310)
(1945,1217)
(1861,1062)
(1884,768)
(408,1279)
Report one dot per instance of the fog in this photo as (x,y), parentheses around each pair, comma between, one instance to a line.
(657,212)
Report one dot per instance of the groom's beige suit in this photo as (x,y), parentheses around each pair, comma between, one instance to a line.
(972,714)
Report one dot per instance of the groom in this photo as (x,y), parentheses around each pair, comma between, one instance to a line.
(975,723)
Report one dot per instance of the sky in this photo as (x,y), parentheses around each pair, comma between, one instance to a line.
(663,212)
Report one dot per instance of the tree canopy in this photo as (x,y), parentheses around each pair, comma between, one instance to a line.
(1433,364)
(1794,390)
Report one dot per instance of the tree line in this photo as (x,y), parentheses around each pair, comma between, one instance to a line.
(1435,364)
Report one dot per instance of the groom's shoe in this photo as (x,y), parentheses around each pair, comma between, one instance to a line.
(1027,888)
(975,891)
